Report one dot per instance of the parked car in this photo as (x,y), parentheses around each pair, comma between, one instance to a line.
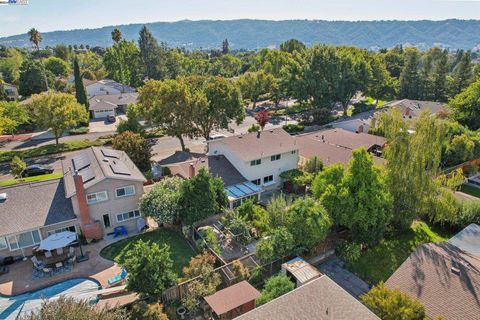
(36,170)
(216,137)
(111,118)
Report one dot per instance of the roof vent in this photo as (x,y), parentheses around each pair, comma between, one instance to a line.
(455,270)
(105,160)
(3,197)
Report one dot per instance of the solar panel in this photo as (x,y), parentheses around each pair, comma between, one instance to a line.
(110,153)
(81,162)
(120,168)
(252,186)
(87,175)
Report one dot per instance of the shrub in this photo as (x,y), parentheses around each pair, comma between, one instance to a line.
(349,251)
(293,128)
(147,311)
(17,166)
(254,128)
(392,304)
(241,273)
(79,130)
(211,239)
(275,287)
(239,228)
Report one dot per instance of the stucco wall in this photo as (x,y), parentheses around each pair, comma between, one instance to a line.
(113,205)
(288,161)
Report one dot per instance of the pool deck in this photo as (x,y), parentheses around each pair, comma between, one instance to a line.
(19,279)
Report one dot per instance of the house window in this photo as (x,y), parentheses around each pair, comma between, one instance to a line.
(3,243)
(294,151)
(127,215)
(256,162)
(97,197)
(257,181)
(71,229)
(275,157)
(24,240)
(125,191)
(268,179)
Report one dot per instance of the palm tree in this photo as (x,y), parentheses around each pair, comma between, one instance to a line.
(116,35)
(35,37)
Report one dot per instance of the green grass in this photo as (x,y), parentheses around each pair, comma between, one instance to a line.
(180,251)
(42,177)
(380,262)
(7,155)
(473,191)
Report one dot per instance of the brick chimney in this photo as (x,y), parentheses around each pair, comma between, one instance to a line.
(81,199)
(90,230)
(191,170)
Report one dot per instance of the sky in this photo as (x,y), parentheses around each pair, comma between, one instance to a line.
(50,15)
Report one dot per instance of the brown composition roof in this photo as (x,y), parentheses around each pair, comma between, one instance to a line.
(232,297)
(428,276)
(336,145)
(254,145)
(100,167)
(320,299)
(34,205)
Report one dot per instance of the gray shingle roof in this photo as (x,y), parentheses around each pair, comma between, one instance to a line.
(444,278)
(468,239)
(100,167)
(320,299)
(33,205)
(111,101)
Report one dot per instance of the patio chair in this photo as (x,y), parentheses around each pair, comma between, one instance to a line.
(120,231)
(48,254)
(37,264)
(71,252)
(47,271)
(118,278)
(60,251)
(72,260)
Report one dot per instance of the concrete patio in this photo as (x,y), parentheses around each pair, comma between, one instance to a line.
(19,279)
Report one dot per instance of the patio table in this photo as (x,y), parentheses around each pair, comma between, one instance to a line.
(53,260)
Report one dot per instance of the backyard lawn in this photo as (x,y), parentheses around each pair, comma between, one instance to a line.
(42,177)
(180,251)
(473,191)
(380,262)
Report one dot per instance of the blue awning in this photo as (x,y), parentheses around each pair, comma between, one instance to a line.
(242,190)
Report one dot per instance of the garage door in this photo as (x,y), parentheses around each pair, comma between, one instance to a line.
(104,113)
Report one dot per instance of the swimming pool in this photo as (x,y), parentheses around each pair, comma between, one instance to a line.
(79,288)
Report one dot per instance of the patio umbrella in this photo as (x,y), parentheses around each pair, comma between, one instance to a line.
(58,240)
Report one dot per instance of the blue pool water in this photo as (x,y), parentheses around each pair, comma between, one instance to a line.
(79,288)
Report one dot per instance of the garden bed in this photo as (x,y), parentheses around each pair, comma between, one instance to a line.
(180,250)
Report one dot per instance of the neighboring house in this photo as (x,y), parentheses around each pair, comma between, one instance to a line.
(320,299)
(105,187)
(111,104)
(30,213)
(106,87)
(444,276)
(336,145)
(11,91)
(233,301)
(410,109)
(259,157)
(104,194)
(237,187)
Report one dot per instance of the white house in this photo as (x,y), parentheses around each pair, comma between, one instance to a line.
(259,157)
(106,87)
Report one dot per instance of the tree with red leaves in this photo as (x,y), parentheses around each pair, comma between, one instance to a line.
(262,118)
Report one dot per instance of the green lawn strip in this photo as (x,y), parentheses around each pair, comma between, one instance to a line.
(380,262)
(473,191)
(42,177)
(7,155)
(180,251)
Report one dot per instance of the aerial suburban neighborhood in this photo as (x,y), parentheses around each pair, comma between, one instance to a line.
(309,162)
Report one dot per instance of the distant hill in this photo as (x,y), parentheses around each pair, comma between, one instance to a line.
(253,34)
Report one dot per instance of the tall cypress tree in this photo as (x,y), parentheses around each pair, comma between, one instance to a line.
(149,53)
(80,92)
(463,73)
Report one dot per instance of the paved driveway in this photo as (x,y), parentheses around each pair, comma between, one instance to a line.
(344,278)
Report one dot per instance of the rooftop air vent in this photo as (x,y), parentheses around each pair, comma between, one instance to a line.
(105,160)
(3,197)
(455,270)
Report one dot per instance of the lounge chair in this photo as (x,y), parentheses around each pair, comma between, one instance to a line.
(118,278)
(71,252)
(37,264)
